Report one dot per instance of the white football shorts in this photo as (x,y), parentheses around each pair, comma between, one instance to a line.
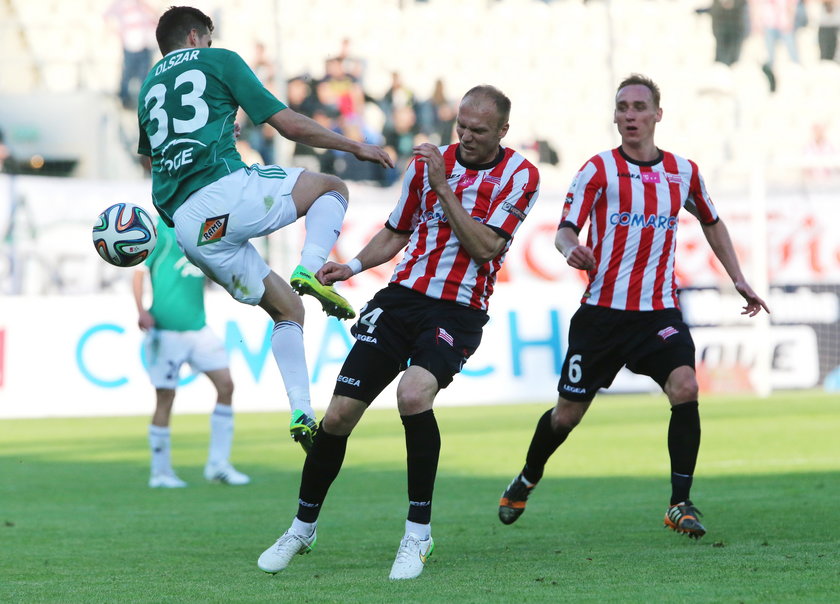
(214,224)
(165,351)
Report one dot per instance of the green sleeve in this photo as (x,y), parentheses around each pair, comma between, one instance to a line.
(143,146)
(249,92)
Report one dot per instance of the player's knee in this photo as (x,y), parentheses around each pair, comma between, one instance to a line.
(291,309)
(334,183)
(411,401)
(566,417)
(682,390)
(342,416)
(224,389)
(164,399)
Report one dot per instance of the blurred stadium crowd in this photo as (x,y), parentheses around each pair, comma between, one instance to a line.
(392,72)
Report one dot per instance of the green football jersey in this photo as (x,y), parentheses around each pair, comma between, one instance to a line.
(188,104)
(177,285)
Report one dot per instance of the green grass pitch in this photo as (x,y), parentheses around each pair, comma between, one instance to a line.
(79,524)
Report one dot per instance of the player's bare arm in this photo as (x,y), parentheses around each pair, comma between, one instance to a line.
(577,256)
(721,243)
(481,242)
(301,129)
(144,318)
(380,249)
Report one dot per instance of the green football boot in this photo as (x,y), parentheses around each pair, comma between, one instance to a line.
(302,428)
(333,303)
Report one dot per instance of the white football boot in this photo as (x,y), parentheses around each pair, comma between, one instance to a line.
(289,545)
(411,557)
(225,473)
(166,480)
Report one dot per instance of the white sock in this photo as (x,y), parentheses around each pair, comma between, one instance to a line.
(159,443)
(221,434)
(424,531)
(302,528)
(323,225)
(287,346)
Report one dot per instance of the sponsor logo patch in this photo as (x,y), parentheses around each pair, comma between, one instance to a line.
(650,177)
(674,178)
(467,180)
(213,230)
(493,180)
(348,380)
(513,210)
(667,333)
(444,335)
(633,219)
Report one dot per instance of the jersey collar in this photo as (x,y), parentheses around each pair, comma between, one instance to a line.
(629,159)
(478,167)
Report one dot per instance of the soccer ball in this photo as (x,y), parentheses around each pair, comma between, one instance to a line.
(124,234)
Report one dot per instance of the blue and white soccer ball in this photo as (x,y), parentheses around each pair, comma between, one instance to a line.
(124,234)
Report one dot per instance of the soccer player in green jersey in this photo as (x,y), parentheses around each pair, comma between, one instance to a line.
(177,333)
(216,203)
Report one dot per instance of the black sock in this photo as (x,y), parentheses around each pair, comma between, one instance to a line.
(543,444)
(422,447)
(319,471)
(683,445)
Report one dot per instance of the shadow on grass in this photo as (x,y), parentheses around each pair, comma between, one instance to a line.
(81,531)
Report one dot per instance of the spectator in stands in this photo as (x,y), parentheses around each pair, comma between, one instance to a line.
(436,116)
(828,28)
(135,22)
(340,90)
(400,134)
(398,95)
(775,19)
(398,105)
(300,98)
(352,65)
(729,26)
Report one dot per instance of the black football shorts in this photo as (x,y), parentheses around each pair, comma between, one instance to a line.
(401,327)
(603,340)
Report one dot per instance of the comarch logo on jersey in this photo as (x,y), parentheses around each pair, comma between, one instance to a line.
(635,219)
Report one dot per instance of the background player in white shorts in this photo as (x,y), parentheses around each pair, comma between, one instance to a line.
(176,334)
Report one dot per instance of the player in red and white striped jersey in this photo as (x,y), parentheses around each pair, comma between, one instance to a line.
(456,217)
(632,209)
(630,314)
(497,194)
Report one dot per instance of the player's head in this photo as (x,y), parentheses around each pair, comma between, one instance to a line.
(637,109)
(183,27)
(482,123)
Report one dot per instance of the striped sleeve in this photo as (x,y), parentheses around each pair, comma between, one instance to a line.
(586,188)
(404,217)
(698,201)
(515,200)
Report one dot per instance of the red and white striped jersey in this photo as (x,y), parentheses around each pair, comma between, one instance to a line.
(498,194)
(632,209)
